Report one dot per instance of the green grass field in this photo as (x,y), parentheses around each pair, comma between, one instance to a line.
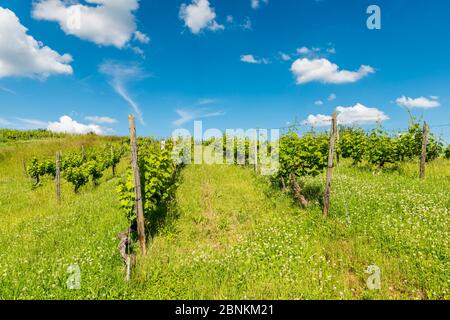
(228,234)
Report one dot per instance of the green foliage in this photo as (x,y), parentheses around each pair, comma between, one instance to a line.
(20,135)
(409,144)
(381,148)
(447,152)
(157,174)
(230,236)
(303,156)
(77,176)
(37,169)
(94,169)
(78,167)
(352,144)
(71,160)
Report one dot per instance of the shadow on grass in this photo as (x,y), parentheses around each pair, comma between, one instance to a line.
(162,219)
(313,192)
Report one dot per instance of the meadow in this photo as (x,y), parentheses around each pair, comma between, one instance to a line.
(228,234)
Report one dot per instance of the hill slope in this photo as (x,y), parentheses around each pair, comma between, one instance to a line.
(236,237)
(228,234)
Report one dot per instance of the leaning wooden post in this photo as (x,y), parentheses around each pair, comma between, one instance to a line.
(423,158)
(58,177)
(137,185)
(327,195)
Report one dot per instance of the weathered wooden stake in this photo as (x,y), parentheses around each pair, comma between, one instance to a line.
(58,177)
(25,171)
(298,191)
(112,157)
(327,195)
(283,184)
(256,150)
(423,158)
(337,143)
(137,185)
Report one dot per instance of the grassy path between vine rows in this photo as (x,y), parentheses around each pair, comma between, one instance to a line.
(229,234)
(237,237)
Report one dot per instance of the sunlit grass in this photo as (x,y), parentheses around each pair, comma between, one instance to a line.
(229,234)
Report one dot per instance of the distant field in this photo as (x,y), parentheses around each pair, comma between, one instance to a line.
(229,234)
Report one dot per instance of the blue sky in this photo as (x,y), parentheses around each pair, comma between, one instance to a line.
(226,62)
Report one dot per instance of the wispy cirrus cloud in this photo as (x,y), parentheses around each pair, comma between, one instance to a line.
(100,120)
(32,123)
(4,122)
(205,101)
(187,115)
(7,90)
(120,74)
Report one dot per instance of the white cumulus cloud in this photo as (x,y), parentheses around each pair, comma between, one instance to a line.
(257,3)
(307,70)
(303,50)
(104,22)
(22,55)
(420,102)
(67,125)
(199,15)
(249,58)
(318,120)
(357,114)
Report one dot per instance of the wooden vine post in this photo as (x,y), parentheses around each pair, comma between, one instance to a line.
(25,171)
(331,151)
(423,158)
(338,156)
(137,185)
(112,157)
(58,177)
(256,150)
